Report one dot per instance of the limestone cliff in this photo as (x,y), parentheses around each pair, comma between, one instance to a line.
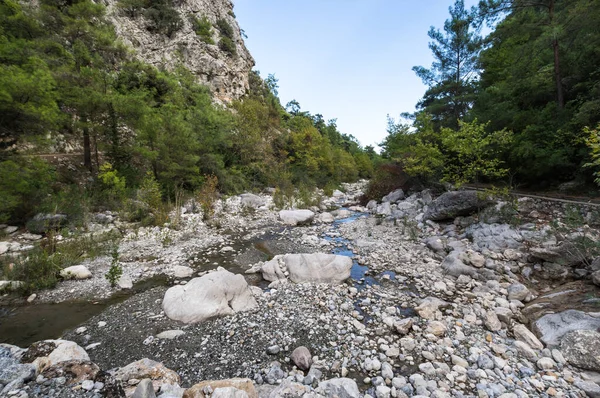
(225,74)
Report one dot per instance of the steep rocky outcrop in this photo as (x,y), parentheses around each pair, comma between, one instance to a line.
(226,75)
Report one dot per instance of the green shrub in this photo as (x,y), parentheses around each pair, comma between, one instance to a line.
(39,268)
(225,28)
(24,183)
(203,28)
(227,45)
(113,185)
(163,18)
(115,271)
(132,8)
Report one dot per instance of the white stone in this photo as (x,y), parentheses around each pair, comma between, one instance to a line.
(296,217)
(215,294)
(66,351)
(76,272)
(181,271)
(170,334)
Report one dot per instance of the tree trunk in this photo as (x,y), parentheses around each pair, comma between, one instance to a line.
(559,90)
(560,99)
(87,151)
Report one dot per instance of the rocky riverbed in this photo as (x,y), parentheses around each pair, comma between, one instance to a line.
(443,297)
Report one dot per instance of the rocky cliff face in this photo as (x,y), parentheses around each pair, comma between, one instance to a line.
(225,74)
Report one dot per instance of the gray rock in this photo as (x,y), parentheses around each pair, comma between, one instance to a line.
(525,350)
(384,209)
(43,223)
(125,282)
(372,205)
(308,267)
(453,204)
(552,327)
(590,388)
(492,322)
(340,388)
(453,265)
(302,358)
(181,271)
(523,334)
(429,306)
(596,278)
(435,243)
(215,294)
(226,76)
(87,385)
(144,389)
(581,348)
(170,334)
(11,369)
(566,254)
(251,200)
(518,291)
(386,371)
(66,351)
(393,196)
(4,246)
(296,217)
(546,363)
(485,362)
(403,326)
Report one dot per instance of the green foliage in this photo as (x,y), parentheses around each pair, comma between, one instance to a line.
(24,183)
(227,45)
(225,28)
(163,18)
(473,153)
(132,8)
(113,184)
(65,73)
(592,141)
(451,79)
(39,268)
(203,28)
(115,271)
(208,195)
(227,41)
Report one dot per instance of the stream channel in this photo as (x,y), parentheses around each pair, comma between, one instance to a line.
(23,324)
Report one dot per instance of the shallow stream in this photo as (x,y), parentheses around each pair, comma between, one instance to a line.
(24,324)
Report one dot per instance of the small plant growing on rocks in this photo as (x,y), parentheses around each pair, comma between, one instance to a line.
(115,271)
(207,196)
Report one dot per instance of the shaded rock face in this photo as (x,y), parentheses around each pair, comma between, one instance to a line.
(216,294)
(224,74)
(453,204)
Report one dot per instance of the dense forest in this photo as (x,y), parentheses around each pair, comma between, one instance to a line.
(143,132)
(519,106)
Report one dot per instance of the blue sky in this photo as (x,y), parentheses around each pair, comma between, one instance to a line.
(344,59)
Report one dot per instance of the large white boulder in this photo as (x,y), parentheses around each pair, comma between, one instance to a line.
(313,267)
(296,217)
(76,272)
(215,294)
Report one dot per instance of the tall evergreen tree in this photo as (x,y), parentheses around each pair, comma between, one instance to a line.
(452,76)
